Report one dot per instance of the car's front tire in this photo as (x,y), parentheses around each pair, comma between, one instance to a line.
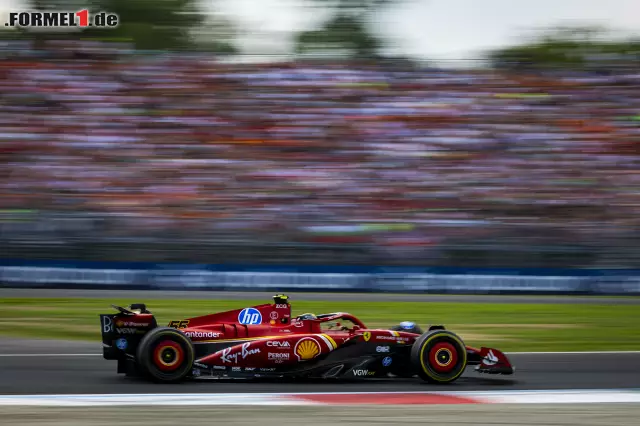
(165,355)
(439,356)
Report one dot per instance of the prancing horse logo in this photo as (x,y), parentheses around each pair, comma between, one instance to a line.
(366,335)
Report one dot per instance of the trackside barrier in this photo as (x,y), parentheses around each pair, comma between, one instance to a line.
(314,278)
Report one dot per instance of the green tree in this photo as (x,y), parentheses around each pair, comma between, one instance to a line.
(568,47)
(169,24)
(216,34)
(346,32)
(152,24)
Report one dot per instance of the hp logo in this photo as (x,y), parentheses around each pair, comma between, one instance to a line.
(250,316)
(386,361)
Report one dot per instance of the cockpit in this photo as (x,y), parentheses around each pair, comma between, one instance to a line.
(338,321)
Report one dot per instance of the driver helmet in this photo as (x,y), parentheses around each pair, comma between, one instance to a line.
(305,317)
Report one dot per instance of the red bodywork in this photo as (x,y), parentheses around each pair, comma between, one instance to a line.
(280,340)
(265,338)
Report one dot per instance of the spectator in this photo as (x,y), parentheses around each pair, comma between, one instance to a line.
(401,160)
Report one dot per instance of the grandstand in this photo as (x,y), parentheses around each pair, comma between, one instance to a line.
(178,157)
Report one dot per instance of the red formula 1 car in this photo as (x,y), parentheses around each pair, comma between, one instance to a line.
(265,341)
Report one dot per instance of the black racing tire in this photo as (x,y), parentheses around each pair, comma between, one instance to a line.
(165,355)
(439,356)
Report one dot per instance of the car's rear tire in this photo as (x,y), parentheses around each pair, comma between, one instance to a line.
(439,356)
(165,355)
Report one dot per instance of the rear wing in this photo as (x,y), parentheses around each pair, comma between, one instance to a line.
(121,332)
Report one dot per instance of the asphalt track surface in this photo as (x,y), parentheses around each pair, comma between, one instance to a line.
(451,415)
(144,295)
(59,367)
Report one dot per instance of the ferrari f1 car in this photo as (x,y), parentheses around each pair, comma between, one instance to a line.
(266,341)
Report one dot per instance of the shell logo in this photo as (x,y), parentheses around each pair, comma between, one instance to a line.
(307,348)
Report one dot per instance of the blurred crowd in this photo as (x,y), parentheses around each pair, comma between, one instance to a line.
(401,159)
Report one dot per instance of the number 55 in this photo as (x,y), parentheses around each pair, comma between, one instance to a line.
(179,324)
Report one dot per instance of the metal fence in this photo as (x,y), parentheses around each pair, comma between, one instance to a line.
(94,237)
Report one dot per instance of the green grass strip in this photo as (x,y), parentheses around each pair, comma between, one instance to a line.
(510,327)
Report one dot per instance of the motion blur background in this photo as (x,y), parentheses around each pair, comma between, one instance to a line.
(406,132)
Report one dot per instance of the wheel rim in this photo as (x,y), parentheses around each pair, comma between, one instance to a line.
(443,357)
(168,355)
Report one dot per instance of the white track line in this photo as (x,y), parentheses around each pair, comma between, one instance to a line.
(507,397)
(285,394)
(573,353)
(47,355)
(507,353)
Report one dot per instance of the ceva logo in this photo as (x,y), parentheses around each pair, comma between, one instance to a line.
(250,316)
(278,344)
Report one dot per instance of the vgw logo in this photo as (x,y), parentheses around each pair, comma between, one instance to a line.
(250,316)
(363,373)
